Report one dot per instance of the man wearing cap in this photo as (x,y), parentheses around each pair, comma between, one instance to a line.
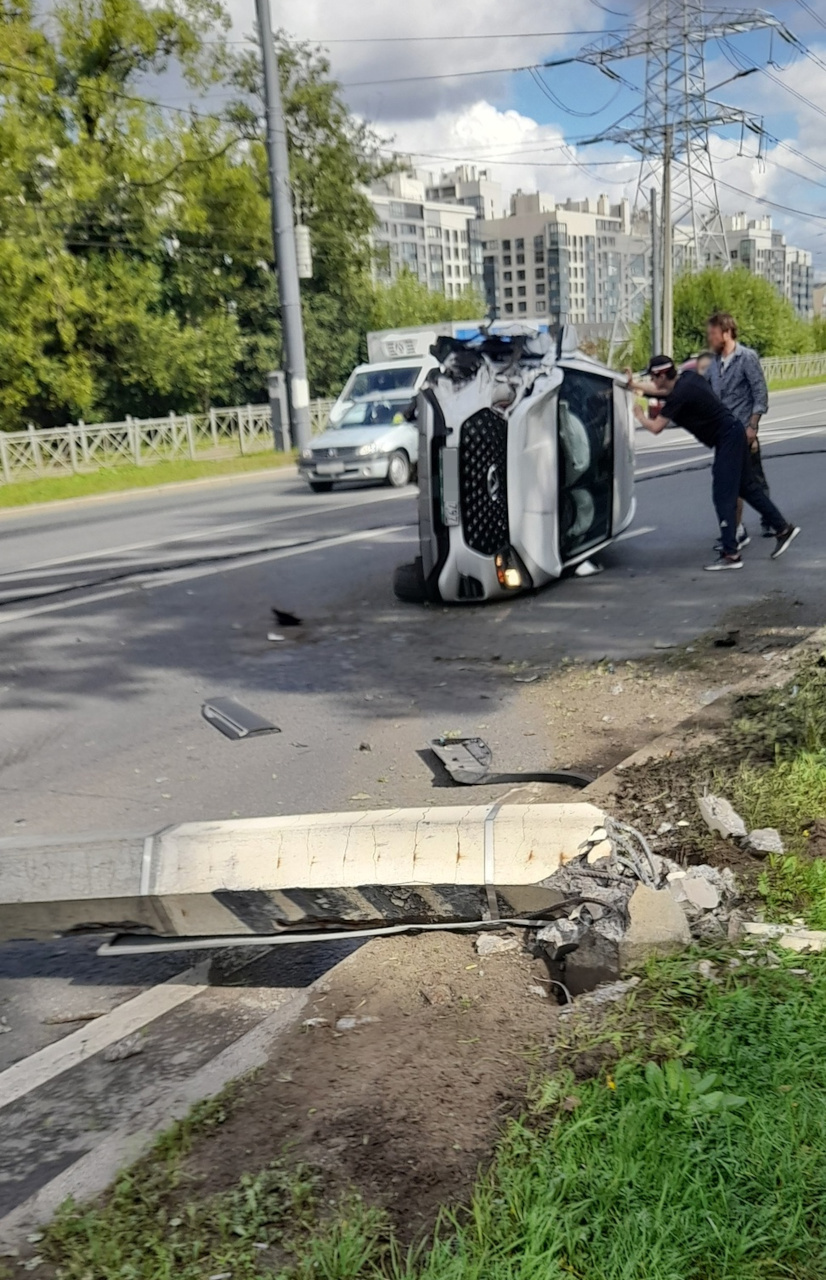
(692,405)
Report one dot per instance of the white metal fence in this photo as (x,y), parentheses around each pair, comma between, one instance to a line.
(221,433)
(786,368)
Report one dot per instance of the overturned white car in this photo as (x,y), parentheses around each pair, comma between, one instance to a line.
(526,466)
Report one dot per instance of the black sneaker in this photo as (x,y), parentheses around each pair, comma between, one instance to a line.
(725,562)
(784,540)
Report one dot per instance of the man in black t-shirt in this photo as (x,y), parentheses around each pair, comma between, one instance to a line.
(691,404)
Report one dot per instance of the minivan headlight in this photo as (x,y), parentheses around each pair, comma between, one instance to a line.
(366,449)
(509,573)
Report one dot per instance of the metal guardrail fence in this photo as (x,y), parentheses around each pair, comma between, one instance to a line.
(82,447)
(786,368)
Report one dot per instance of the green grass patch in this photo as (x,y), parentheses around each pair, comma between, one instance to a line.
(117,479)
(696,1153)
(788,384)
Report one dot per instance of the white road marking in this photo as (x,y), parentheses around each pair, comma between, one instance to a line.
(216,531)
(176,576)
(41,1067)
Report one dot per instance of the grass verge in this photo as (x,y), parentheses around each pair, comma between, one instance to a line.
(692,1150)
(117,479)
(789,384)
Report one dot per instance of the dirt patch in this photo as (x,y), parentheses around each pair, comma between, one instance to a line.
(405,1105)
(598,714)
(817,839)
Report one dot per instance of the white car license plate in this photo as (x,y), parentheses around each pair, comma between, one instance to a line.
(330,468)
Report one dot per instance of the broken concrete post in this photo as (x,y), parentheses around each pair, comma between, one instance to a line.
(308,872)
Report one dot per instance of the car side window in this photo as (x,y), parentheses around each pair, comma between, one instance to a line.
(586,461)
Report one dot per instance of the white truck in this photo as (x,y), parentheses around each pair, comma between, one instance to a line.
(400,360)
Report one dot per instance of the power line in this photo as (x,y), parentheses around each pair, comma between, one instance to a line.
(504,35)
(812,13)
(451,75)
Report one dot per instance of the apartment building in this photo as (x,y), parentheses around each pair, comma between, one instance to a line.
(574,262)
(754,244)
(433,239)
(471,186)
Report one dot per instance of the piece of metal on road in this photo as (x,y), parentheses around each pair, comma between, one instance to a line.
(235,721)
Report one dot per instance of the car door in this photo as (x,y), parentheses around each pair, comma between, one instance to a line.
(585,425)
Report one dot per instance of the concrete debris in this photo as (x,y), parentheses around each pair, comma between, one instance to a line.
(315,1022)
(605,993)
(535,990)
(707,970)
(766,840)
(350,1022)
(657,926)
(560,937)
(602,850)
(494,944)
(124,1049)
(700,892)
(720,816)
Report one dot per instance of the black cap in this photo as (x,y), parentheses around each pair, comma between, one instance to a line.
(660,364)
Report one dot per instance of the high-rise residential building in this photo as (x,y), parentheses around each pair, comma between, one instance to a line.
(573,262)
(754,244)
(471,186)
(433,239)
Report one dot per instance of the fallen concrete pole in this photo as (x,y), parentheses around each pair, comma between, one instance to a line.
(307,872)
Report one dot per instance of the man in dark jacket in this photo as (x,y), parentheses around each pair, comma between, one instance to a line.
(736,376)
(689,401)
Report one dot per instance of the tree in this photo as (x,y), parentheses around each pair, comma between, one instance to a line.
(765,320)
(406,301)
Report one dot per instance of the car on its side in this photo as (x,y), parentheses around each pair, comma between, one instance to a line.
(526,467)
(375,440)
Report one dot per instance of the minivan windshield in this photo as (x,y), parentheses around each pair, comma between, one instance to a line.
(375,413)
(369,381)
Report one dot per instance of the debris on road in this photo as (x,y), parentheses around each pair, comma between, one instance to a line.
(719,815)
(275,637)
(285,619)
(468,761)
(350,1023)
(235,721)
(59,1019)
(124,1049)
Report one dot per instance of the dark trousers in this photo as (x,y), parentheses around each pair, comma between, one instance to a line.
(756,465)
(732,477)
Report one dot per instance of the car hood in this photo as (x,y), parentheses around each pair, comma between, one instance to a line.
(350,437)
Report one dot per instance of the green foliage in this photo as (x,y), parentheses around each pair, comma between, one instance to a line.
(792,886)
(707,1165)
(406,301)
(766,321)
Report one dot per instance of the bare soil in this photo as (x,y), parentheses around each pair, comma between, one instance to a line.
(599,714)
(405,1106)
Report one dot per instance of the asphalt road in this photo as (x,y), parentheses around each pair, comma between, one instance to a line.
(119,617)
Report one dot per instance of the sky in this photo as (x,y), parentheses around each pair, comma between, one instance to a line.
(438,80)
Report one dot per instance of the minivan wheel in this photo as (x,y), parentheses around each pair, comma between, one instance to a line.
(409,582)
(398,470)
(321,486)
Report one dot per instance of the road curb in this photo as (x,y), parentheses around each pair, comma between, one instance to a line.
(90,1176)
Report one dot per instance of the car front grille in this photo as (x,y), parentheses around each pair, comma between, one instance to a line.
(342,454)
(483,482)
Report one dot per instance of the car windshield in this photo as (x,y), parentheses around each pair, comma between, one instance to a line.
(370,381)
(375,413)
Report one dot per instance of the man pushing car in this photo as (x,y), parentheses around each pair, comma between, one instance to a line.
(689,402)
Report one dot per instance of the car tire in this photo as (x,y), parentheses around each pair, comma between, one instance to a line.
(321,486)
(398,470)
(409,582)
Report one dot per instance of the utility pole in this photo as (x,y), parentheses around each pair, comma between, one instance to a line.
(668,250)
(283,236)
(656,300)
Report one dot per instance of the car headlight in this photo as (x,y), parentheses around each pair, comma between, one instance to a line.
(365,450)
(306,455)
(509,572)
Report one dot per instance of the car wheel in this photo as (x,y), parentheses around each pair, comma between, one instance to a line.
(398,470)
(409,582)
(321,486)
